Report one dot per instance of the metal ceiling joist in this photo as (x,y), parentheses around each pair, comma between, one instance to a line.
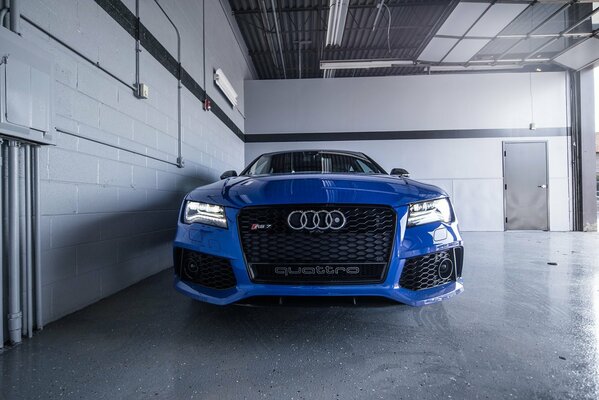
(413,3)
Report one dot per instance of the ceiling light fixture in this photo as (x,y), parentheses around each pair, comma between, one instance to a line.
(223,83)
(457,68)
(337,17)
(363,64)
(509,61)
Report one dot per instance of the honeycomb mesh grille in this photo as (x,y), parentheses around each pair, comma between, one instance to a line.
(207,270)
(423,272)
(367,237)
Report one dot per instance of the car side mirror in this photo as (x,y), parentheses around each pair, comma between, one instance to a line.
(228,174)
(400,172)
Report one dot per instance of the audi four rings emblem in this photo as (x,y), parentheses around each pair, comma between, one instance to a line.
(316,220)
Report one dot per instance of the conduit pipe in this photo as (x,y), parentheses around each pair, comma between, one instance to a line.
(22,238)
(37,265)
(28,242)
(269,41)
(137,48)
(3,13)
(5,221)
(276,19)
(180,162)
(15,16)
(14,281)
(2,224)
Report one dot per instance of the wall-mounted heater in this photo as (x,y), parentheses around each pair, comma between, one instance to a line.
(223,83)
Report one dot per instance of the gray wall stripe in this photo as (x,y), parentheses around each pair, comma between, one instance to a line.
(403,135)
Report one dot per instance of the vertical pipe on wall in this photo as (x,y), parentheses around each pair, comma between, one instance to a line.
(204,47)
(2,161)
(5,202)
(3,13)
(37,266)
(14,283)
(28,240)
(22,238)
(180,162)
(15,16)
(137,48)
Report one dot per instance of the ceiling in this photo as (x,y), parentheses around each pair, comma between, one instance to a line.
(437,34)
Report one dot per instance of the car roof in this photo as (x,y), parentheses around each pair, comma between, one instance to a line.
(347,152)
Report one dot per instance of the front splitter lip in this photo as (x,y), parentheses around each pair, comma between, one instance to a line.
(399,294)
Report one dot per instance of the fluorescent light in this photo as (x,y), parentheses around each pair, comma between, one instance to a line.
(510,61)
(457,68)
(336,25)
(363,64)
(223,83)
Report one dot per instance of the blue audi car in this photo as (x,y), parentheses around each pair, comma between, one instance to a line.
(318,223)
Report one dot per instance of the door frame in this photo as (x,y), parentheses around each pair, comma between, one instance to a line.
(503,149)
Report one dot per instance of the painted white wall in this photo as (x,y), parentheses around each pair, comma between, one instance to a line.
(109,216)
(476,101)
(470,170)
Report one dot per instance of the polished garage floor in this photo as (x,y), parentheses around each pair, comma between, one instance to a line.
(522,329)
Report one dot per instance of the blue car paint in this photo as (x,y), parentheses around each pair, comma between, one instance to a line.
(238,192)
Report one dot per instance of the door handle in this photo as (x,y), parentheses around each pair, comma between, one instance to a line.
(542,186)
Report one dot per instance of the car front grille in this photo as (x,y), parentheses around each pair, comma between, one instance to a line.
(358,252)
(204,269)
(427,271)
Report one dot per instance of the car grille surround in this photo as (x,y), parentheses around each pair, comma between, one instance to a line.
(365,241)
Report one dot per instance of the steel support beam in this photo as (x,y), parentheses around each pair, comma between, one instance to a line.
(414,3)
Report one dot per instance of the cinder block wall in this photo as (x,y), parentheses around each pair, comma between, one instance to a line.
(108,215)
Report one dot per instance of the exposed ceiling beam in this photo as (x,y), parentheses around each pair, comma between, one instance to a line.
(260,53)
(251,22)
(414,3)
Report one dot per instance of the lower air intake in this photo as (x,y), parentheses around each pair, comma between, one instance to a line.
(204,269)
(431,270)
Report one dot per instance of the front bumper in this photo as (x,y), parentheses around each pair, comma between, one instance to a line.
(408,243)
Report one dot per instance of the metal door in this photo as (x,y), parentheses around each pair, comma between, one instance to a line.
(525,186)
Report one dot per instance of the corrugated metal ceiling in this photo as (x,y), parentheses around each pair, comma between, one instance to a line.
(411,25)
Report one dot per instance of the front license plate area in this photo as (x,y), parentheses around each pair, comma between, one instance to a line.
(317,273)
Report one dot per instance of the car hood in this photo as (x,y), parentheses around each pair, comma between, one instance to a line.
(245,191)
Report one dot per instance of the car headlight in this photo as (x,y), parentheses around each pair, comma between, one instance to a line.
(209,214)
(424,212)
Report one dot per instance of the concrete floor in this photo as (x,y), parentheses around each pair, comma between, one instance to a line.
(522,329)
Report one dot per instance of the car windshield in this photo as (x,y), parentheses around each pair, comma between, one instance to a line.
(319,162)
